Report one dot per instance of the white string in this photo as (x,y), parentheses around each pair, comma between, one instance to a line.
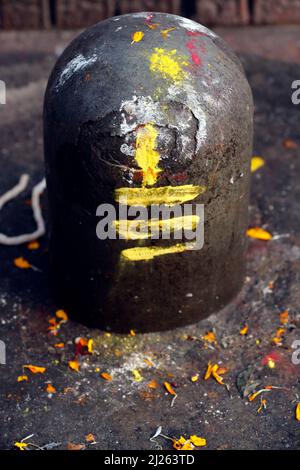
(37,213)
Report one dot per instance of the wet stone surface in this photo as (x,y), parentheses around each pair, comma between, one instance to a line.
(124,413)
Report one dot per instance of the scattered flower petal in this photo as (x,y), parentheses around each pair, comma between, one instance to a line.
(259,233)
(90,345)
(169,388)
(136,375)
(50,389)
(298,412)
(21,378)
(289,144)
(256,163)
(263,404)
(165,32)
(90,438)
(278,337)
(33,245)
(22,263)
(244,330)
(182,444)
(62,315)
(74,365)
(71,446)
(210,337)
(106,376)
(153,384)
(35,369)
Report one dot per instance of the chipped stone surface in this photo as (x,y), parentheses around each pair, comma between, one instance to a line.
(124,414)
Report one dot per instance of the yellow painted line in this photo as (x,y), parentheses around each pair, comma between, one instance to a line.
(167,195)
(142,229)
(147,253)
(145,155)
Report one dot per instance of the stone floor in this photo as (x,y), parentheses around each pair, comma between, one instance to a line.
(124,413)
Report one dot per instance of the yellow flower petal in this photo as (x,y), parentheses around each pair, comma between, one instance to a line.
(90,346)
(244,330)
(208,371)
(21,445)
(165,32)
(284,317)
(298,412)
(136,375)
(74,365)
(62,315)
(210,337)
(33,245)
(137,36)
(21,378)
(169,388)
(198,441)
(256,163)
(22,263)
(50,389)
(259,233)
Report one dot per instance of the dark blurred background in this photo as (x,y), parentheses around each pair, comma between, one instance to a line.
(65,14)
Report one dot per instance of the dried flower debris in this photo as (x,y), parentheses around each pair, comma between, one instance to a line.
(215,371)
(180,443)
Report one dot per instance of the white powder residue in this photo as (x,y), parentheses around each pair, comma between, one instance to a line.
(127,150)
(192,101)
(139,110)
(78,63)
(194,26)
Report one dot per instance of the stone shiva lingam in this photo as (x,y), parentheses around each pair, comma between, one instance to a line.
(148,136)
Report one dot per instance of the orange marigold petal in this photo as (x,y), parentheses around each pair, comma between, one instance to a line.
(35,369)
(259,233)
(106,376)
(244,330)
(50,389)
(33,245)
(284,317)
(169,388)
(298,412)
(22,263)
(153,384)
(61,314)
(74,365)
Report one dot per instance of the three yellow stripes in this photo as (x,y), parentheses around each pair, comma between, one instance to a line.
(147,157)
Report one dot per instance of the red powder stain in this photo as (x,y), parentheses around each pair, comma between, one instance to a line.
(138,176)
(274,356)
(177,176)
(196,33)
(149,21)
(192,48)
